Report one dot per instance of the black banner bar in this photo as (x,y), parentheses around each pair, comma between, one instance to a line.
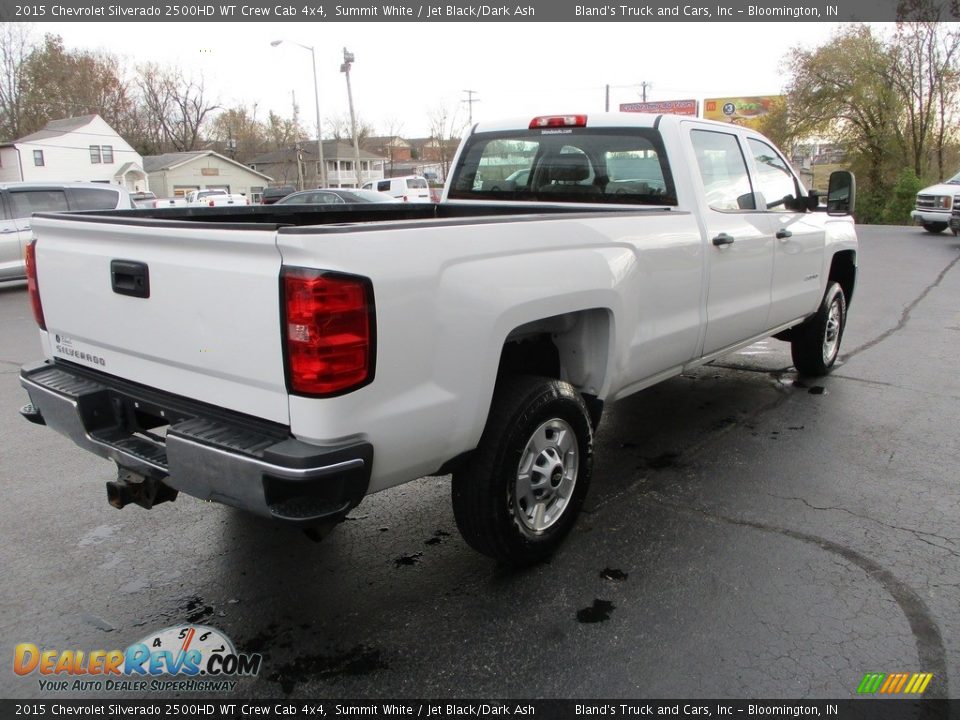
(865,709)
(471,11)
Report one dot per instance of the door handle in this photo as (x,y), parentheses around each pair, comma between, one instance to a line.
(783,234)
(723,239)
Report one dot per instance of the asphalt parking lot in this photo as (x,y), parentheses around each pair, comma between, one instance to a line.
(747,534)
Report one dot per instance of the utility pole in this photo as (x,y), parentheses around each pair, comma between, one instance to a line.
(643,89)
(470,101)
(321,164)
(606,105)
(348,59)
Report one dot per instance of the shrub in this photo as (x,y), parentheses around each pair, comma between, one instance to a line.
(897,210)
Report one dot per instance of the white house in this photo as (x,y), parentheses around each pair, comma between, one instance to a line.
(81,148)
(298,166)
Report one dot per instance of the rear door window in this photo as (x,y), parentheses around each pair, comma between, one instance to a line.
(28,202)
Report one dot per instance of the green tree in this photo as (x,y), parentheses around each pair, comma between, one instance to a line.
(842,91)
(60,83)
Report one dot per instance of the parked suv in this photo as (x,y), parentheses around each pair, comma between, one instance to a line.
(20,200)
(271,194)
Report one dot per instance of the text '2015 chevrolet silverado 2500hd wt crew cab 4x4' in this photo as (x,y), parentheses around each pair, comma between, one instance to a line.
(289,360)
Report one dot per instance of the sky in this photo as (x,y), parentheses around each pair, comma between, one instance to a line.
(405,71)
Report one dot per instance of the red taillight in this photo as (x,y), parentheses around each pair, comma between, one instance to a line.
(33,288)
(549,121)
(329,325)
(211,203)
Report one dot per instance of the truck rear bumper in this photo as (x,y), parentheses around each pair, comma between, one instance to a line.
(207,452)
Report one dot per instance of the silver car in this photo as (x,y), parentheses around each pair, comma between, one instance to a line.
(20,200)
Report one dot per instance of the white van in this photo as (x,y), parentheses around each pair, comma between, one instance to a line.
(409,188)
(20,200)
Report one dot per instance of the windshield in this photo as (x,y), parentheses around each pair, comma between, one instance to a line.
(585,165)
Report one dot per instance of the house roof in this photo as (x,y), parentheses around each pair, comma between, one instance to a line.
(127,167)
(332,150)
(55,128)
(169,161)
(420,142)
(381,140)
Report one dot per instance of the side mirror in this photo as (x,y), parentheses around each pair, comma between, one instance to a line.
(842,193)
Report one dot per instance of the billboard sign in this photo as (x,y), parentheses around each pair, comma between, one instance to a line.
(663,107)
(740,110)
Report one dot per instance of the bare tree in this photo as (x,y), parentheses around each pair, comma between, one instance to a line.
(15,45)
(174,106)
(924,69)
(237,133)
(446,125)
(340,128)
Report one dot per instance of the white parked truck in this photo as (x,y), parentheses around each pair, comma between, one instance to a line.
(290,361)
(215,197)
(935,204)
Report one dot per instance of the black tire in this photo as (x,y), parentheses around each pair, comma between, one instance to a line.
(490,515)
(934,227)
(815,344)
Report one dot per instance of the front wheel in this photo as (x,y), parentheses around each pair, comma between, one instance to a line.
(520,492)
(815,344)
(934,227)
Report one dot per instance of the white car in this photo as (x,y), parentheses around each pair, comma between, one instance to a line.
(19,200)
(935,203)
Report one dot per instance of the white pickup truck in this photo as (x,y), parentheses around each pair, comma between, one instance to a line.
(290,361)
(215,197)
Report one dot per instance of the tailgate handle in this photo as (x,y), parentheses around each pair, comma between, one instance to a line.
(130,278)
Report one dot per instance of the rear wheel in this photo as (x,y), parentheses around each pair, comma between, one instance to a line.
(815,344)
(934,227)
(520,492)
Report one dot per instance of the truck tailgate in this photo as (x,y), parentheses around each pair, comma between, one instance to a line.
(193,312)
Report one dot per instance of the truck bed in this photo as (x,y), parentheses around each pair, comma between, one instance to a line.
(277,216)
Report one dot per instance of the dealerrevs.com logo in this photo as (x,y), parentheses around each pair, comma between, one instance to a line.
(181,659)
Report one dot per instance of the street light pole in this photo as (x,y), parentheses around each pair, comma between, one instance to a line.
(322,165)
(348,59)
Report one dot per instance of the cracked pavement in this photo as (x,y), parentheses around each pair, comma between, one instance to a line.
(747,534)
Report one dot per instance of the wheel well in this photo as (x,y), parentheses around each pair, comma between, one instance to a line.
(843,270)
(573,347)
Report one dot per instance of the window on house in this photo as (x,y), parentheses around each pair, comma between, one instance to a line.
(95,154)
(346,165)
(38,158)
(108,154)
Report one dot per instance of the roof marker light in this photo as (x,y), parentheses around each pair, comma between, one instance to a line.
(549,121)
